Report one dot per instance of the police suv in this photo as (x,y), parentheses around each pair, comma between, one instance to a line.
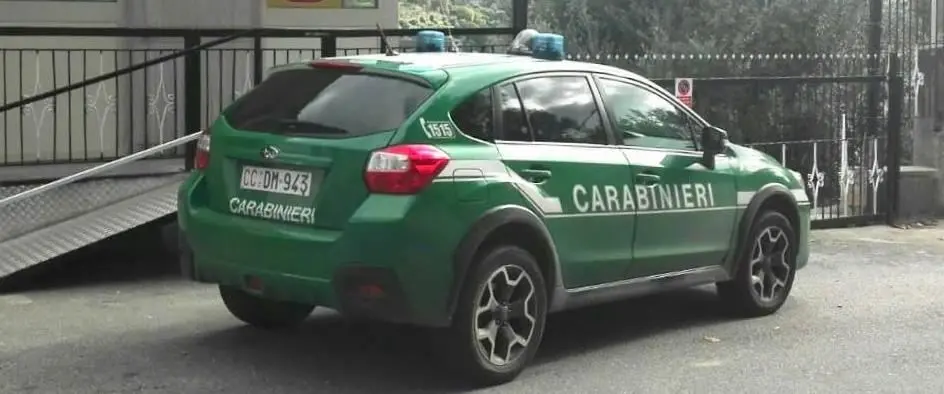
(477,193)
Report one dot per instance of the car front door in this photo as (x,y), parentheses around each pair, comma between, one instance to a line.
(554,139)
(686,212)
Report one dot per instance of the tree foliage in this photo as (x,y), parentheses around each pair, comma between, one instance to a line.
(681,26)
(727,38)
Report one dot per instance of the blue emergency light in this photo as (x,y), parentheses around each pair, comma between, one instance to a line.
(430,41)
(548,46)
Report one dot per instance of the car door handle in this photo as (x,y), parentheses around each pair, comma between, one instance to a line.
(536,175)
(647,179)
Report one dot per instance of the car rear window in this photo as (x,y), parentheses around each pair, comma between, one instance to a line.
(335,102)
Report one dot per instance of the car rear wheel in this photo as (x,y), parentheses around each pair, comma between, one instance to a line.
(765,274)
(263,313)
(500,317)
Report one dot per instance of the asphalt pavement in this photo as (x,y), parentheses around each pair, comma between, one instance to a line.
(867,316)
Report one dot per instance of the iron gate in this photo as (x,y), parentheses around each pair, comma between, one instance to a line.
(847,150)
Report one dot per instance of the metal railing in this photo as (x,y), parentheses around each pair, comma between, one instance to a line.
(130,99)
(759,108)
(98,170)
(44,200)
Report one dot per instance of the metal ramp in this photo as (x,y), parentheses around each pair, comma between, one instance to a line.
(40,223)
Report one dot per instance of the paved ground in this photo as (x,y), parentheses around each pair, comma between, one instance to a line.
(866,316)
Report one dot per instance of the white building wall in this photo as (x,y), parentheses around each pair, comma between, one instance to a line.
(30,65)
(117,116)
(385,15)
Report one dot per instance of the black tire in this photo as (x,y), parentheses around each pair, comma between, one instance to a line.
(263,313)
(741,295)
(459,347)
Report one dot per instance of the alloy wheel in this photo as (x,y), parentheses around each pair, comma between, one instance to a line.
(770,267)
(504,315)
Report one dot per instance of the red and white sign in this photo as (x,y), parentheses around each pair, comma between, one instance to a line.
(683,90)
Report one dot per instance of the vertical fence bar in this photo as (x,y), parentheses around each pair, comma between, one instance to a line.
(519,15)
(329,46)
(874,33)
(893,156)
(257,59)
(843,167)
(193,93)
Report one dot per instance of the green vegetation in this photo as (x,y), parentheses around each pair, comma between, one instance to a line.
(718,38)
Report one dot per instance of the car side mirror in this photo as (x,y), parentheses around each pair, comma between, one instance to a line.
(712,143)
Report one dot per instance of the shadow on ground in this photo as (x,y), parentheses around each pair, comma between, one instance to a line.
(140,254)
(336,355)
(327,354)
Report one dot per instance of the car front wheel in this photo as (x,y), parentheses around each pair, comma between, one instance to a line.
(500,317)
(765,273)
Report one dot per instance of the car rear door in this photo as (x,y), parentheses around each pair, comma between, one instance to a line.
(686,212)
(293,149)
(553,139)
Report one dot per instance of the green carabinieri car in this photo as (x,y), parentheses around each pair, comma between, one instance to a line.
(477,193)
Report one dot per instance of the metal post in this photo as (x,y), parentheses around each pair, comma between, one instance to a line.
(933,32)
(843,166)
(874,65)
(329,45)
(896,87)
(193,95)
(257,59)
(519,15)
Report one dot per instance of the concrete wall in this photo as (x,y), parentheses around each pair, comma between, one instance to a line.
(385,14)
(131,113)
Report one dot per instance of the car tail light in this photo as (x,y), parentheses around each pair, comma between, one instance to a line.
(202,158)
(404,169)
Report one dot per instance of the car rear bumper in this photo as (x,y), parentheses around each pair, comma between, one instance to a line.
(375,268)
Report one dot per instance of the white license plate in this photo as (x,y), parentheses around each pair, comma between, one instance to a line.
(273,180)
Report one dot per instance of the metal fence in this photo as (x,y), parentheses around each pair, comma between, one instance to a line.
(132,109)
(826,120)
(820,126)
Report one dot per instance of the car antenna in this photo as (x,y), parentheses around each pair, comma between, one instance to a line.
(384,42)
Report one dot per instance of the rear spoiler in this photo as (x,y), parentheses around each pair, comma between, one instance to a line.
(309,64)
(291,66)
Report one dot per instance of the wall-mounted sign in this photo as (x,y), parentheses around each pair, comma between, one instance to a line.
(304,3)
(327,4)
(683,90)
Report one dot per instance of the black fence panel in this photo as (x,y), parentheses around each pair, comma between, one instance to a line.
(819,120)
(99,122)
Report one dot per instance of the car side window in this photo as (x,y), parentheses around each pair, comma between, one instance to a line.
(514,126)
(643,118)
(562,109)
(474,116)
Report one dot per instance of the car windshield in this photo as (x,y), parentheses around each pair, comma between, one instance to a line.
(333,102)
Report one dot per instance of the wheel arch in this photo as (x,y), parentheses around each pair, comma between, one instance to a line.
(509,224)
(774,197)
